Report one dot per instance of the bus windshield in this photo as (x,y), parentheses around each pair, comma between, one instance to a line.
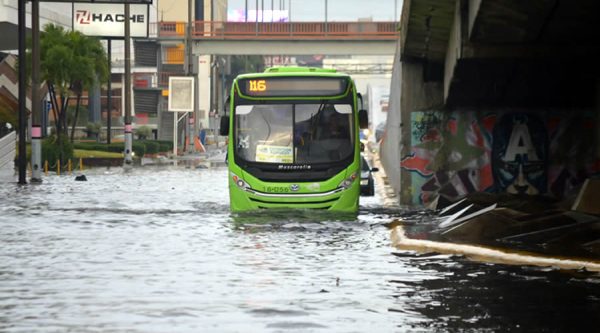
(294,133)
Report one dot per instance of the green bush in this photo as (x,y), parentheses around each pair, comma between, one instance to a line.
(93,129)
(168,144)
(52,151)
(143,132)
(151,146)
(164,148)
(116,147)
(138,148)
(90,146)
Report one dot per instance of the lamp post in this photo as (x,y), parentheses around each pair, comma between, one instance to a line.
(22,95)
(36,106)
(128,128)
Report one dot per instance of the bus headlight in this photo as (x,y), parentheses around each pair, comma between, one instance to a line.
(239,182)
(346,183)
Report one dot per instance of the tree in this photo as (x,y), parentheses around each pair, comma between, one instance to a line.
(70,63)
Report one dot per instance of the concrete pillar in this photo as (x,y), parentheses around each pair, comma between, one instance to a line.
(391,145)
(204,91)
(94,106)
(409,93)
(598,122)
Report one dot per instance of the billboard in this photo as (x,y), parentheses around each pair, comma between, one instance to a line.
(238,15)
(107,20)
(181,94)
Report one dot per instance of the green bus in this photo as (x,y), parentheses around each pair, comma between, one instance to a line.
(293,140)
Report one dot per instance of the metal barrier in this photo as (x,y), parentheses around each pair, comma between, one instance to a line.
(281,30)
(8,150)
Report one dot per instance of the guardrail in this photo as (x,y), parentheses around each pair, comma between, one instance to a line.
(280,30)
(8,149)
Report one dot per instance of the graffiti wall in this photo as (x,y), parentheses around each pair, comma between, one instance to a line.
(521,152)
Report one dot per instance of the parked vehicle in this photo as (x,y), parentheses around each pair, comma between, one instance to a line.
(367,183)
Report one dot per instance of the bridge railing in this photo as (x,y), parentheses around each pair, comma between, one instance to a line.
(280,30)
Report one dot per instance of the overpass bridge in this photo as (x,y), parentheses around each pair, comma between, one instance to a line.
(473,75)
(499,96)
(217,38)
(284,38)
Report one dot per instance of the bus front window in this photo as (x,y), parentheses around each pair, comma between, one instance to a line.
(294,133)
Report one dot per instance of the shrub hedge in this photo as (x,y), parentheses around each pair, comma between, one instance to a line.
(139,147)
(52,150)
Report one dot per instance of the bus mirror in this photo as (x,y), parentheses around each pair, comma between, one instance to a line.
(363,119)
(360,100)
(226,105)
(224,126)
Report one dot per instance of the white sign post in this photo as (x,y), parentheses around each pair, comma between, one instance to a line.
(106,20)
(181,99)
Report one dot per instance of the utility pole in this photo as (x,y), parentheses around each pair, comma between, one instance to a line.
(188,72)
(109,93)
(36,106)
(326,26)
(128,128)
(22,96)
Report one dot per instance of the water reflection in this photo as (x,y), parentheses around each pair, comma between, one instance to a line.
(487,297)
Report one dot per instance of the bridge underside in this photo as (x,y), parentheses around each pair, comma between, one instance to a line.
(293,47)
(494,95)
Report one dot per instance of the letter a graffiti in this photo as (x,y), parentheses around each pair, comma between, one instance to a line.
(520,144)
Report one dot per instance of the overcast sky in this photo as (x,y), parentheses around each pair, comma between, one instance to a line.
(338,10)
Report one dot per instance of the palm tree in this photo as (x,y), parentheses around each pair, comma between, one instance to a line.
(70,63)
(90,66)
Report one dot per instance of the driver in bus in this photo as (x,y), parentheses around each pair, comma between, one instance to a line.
(333,124)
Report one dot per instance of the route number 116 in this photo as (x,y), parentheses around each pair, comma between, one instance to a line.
(258,85)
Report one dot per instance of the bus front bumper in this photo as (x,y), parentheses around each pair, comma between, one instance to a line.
(339,199)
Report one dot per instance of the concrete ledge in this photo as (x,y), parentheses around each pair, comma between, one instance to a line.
(588,200)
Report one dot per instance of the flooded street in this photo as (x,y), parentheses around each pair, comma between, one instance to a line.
(157,250)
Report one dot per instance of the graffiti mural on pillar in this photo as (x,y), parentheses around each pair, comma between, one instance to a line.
(519,154)
(450,156)
(454,153)
(572,157)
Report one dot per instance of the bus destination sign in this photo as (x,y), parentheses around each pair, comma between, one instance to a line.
(293,86)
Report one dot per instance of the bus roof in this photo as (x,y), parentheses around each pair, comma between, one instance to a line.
(298,69)
(294,71)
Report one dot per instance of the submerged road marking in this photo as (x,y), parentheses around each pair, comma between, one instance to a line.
(485,254)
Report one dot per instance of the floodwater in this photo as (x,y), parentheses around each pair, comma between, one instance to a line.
(157,250)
